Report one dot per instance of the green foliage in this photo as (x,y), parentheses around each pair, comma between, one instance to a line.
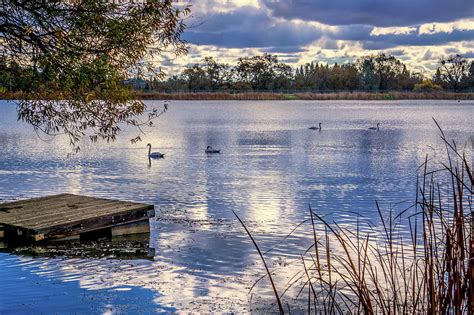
(427,86)
(265,73)
(290,97)
(70,59)
(384,72)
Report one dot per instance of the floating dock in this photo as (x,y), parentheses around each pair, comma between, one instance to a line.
(69,216)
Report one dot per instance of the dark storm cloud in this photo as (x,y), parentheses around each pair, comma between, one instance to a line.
(372,12)
(250,27)
(362,33)
(285,49)
(391,40)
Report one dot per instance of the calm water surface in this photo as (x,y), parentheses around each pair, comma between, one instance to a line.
(270,169)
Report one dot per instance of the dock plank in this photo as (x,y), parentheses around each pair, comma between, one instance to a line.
(66,215)
(89,213)
(26,208)
(68,211)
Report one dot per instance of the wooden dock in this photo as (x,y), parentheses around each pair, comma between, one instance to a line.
(71,216)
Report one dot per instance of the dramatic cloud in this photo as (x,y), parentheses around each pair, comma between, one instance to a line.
(250,27)
(373,12)
(297,31)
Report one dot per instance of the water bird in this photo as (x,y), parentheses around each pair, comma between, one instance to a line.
(315,128)
(210,150)
(375,128)
(154,155)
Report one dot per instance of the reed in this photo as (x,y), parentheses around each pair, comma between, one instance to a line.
(278,96)
(416,261)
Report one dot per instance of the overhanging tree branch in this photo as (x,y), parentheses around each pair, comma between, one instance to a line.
(73,57)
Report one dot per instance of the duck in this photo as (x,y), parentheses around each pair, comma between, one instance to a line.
(375,128)
(210,150)
(315,128)
(154,155)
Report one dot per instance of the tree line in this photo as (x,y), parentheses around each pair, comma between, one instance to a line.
(371,73)
(381,72)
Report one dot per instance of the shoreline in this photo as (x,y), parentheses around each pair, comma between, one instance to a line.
(276,96)
(279,96)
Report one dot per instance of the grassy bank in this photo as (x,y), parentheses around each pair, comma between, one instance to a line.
(277,96)
(307,96)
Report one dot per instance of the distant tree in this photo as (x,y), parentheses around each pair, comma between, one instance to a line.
(196,78)
(387,68)
(218,74)
(437,79)
(470,77)
(283,76)
(427,85)
(453,71)
(335,77)
(368,75)
(385,72)
(263,72)
(76,54)
(350,77)
(175,84)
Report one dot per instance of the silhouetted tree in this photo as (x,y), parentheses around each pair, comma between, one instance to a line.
(470,77)
(263,72)
(454,71)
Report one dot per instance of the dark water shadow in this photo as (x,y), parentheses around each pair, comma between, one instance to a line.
(128,247)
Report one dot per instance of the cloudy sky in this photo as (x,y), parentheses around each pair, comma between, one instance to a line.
(417,31)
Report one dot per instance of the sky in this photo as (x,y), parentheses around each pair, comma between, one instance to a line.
(418,32)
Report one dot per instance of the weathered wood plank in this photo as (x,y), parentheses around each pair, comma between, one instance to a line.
(28,210)
(46,206)
(110,209)
(52,214)
(92,224)
(66,215)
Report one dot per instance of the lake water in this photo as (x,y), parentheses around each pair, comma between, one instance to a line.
(271,168)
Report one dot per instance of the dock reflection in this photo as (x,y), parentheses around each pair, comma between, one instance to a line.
(129,247)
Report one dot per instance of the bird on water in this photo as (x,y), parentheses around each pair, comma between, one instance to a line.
(210,150)
(315,128)
(154,155)
(375,128)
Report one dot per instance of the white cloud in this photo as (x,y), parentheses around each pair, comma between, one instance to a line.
(377,31)
(433,28)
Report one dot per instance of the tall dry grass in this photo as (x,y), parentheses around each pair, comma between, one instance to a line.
(416,261)
(274,96)
(279,96)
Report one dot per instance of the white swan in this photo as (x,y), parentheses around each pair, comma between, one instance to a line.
(315,128)
(375,128)
(210,150)
(154,155)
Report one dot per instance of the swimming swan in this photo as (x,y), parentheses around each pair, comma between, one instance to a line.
(375,128)
(315,128)
(154,155)
(210,150)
